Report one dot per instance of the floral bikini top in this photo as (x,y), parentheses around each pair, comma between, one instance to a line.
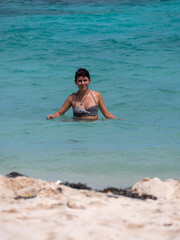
(80,112)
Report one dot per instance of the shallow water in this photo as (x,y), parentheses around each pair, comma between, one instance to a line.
(132,50)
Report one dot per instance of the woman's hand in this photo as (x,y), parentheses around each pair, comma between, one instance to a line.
(50,116)
(67,104)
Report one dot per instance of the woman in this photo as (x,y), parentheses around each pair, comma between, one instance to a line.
(85,102)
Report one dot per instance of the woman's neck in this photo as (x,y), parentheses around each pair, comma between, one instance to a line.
(83,93)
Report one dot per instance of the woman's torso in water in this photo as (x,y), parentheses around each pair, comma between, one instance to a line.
(87,109)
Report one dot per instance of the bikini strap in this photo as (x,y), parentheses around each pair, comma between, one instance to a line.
(93,97)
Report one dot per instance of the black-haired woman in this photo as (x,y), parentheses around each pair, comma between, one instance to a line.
(85,102)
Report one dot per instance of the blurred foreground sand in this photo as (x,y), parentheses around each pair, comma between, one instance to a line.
(41,210)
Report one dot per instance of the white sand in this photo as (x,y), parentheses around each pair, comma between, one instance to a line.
(82,214)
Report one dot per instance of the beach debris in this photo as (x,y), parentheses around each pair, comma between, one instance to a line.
(58,182)
(59,189)
(14,175)
(80,186)
(24,197)
(129,192)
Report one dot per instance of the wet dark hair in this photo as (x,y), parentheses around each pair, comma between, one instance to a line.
(82,72)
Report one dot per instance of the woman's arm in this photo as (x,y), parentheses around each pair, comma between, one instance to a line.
(103,108)
(63,109)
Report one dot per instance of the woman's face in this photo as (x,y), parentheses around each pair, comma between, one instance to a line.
(83,83)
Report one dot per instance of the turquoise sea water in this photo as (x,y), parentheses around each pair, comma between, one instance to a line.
(132,50)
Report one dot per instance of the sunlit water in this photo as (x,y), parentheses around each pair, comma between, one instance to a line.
(132,50)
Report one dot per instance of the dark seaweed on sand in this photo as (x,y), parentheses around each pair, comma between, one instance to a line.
(116,191)
(128,192)
(14,175)
(25,198)
(79,186)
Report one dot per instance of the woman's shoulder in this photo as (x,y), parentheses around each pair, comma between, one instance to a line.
(96,93)
(73,96)
(75,93)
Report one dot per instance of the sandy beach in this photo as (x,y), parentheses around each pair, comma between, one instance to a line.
(36,209)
